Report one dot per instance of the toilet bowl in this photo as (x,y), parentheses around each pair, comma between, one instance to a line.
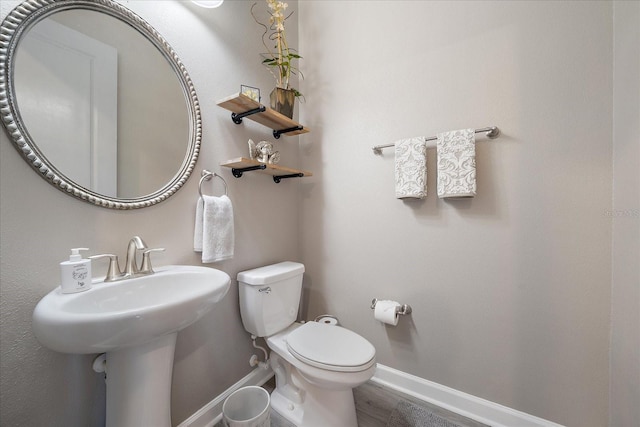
(314,382)
(317,365)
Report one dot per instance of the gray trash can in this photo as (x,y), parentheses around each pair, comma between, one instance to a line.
(247,407)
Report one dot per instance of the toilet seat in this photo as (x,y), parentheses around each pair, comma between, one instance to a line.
(331,347)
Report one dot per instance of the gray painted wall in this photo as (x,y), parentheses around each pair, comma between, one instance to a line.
(512,291)
(625,290)
(39,224)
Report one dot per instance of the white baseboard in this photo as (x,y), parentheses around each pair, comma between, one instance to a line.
(469,406)
(210,414)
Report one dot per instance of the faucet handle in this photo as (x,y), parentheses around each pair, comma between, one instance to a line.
(113,272)
(146,268)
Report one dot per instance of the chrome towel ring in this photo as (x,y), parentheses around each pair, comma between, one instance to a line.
(206,176)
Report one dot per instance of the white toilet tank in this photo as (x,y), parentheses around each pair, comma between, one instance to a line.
(270,297)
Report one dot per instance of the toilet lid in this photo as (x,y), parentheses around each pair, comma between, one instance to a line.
(331,347)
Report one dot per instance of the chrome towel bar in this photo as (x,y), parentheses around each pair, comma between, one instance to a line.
(491,131)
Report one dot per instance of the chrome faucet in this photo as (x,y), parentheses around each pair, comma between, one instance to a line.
(131,268)
(130,265)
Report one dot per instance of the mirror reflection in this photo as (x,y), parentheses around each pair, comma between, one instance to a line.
(101,103)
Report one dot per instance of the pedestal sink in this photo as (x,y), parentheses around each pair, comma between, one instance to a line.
(135,322)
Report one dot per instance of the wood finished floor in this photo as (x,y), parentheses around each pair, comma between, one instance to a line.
(377,406)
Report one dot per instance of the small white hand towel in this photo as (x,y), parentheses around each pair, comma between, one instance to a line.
(214,231)
(411,168)
(456,163)
(197,231)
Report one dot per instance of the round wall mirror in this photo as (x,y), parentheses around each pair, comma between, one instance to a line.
(97,102)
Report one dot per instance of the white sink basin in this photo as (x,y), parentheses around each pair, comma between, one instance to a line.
(116,315)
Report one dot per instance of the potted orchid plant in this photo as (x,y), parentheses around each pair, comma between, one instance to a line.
(279,57)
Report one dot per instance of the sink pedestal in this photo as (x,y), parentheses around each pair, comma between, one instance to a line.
(135,323)
(139,384)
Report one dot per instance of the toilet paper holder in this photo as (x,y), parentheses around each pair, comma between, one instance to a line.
(402,310)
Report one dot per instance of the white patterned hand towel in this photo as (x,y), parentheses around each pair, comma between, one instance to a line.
(457,163)
(214,232)
(411,168)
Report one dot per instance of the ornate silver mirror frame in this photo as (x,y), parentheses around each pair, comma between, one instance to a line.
(14,26)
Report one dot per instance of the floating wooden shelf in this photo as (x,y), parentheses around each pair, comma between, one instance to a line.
(242,164)
(242,106)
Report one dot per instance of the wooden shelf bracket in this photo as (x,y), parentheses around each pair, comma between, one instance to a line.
(241,165)
(242,106)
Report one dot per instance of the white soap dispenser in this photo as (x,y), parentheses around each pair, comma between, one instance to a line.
(75,273)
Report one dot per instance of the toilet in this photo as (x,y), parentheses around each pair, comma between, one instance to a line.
(317,365)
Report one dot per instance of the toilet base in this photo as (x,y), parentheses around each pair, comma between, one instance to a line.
(319,407)
(308,396)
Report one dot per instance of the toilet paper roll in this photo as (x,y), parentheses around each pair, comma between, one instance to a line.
(385,312)
(327,319)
